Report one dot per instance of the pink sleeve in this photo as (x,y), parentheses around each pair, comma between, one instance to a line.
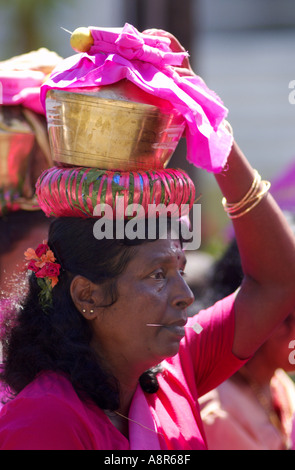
(210,351)
(42,424)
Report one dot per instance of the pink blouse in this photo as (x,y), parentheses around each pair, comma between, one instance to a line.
(49,415)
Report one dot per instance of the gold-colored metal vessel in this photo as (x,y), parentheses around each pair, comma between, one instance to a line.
(116,127)
(24,154)
(16,143)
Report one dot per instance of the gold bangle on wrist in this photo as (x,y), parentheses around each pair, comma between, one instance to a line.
(250,200)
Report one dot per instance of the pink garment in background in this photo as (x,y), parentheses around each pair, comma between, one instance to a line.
(147,61)
(233,418)
(21,77)
(48,414)
(22,87)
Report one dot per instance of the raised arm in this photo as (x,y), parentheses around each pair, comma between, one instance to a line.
(266,244)
(267,250)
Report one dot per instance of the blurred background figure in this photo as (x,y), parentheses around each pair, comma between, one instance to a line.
(253,410)
(24,154)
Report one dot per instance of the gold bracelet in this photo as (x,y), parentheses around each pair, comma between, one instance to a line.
(257,199)
(250,200)
(235,206)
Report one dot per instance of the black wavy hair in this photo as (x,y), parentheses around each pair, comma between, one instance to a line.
(58,339)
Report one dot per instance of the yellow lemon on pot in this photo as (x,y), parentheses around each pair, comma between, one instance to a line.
(81,39)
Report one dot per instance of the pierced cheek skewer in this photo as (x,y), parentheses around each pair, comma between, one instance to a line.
(196,327)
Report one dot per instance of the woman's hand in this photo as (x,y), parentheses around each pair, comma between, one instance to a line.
(185,69)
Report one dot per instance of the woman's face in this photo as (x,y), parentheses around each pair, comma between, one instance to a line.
(151,291)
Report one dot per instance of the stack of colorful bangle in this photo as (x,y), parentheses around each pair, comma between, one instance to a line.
(75,192)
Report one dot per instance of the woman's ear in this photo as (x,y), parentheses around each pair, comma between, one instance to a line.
(86,296)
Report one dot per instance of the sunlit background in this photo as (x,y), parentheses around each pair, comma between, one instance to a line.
(244,49)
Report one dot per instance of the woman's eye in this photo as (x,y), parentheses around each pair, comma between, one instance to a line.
(158,275)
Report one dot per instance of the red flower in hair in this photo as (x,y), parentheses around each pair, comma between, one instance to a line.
(32,266)
(42,263)
(49,270)
(41,249)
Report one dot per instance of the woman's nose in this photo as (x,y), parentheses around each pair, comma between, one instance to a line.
(181,293)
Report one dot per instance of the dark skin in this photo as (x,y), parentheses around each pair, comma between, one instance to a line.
(266,245)
(265,299)
(121,332)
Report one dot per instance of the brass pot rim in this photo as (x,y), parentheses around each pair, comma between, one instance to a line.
(98,130)
(93,97)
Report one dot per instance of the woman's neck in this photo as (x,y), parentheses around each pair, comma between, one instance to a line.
(119,417)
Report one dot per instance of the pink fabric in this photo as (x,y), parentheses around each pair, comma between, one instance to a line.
(124,53)
(131,44)
(48,414)
(22,87)
(233,418)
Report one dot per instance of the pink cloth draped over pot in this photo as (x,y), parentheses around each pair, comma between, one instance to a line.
(148,62)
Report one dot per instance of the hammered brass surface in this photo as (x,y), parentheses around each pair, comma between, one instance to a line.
(111,129)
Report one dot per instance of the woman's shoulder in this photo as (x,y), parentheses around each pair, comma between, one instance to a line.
(49,392)
(205,354)
(220,312)
(46,414)
(49,384)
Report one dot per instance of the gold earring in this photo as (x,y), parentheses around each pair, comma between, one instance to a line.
(84,310)
(91,311)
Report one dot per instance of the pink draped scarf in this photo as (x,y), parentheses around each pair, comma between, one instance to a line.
(148,62)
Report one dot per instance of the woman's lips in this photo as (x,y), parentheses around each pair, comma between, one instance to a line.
(177,330)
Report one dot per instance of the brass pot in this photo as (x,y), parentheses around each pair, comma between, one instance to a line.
(16,144)
(116,127)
